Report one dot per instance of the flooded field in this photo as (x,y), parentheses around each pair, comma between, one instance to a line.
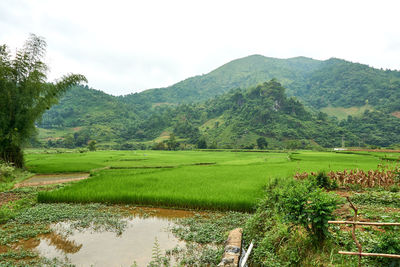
(146,230)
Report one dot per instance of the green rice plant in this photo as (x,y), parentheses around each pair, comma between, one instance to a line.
(207,187)
(183,178)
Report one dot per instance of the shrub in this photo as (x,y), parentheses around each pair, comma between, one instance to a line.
(291,216)
(7,172)
(310,208)
(322,180)
(92,145)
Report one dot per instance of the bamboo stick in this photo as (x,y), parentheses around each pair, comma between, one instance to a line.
(370,254)
(365,223)
(353,233)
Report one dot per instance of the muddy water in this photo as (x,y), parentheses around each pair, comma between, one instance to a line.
(134,245)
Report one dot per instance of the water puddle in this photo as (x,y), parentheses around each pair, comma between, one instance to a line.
(147,229)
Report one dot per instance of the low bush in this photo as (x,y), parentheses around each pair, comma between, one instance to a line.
(7,172)
(309,207)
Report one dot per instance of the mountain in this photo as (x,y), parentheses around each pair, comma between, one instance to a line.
(239,73)
(340,83)
(330,83)
(370,96)
(234,119)
(240,117)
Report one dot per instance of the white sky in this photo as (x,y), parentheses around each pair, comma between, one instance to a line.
(128,46)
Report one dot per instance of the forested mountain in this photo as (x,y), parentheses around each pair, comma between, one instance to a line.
(240,117)
(235,119)
(243,73)
(203,106)
(340,83)
(333,82)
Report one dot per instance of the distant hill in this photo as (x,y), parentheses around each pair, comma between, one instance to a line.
(240,117)
(333,82)
(355,93)
(340,83)
(234,119)
(239,73)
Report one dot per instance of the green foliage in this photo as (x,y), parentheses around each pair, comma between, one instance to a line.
(322,180)
(201,144)
(210,228)
(157,259)
(344,84)
(25,95)
(295,202)
(262,143)
(309,207)
(203,187)
(92,145)
(7,172)
(391,199)
(242,115)
(172,144)
(388,243)
(289,222)
(375,128)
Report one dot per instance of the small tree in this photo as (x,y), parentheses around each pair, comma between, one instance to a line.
(25,95)
(201,144)
(262,143)
(309,206)
(172,144)
(92,145)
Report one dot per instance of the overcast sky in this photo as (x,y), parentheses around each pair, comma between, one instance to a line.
(129,46)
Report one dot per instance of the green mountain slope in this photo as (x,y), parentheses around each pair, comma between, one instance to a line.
(333,82)
(243,73)
(243,116)
(340,83)
(336,86)
(83,106)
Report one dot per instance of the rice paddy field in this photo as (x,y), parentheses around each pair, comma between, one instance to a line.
(221,180)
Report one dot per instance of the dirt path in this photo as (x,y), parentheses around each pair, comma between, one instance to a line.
(45,179)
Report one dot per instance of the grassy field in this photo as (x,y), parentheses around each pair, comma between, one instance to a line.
(186,179)
(341,113)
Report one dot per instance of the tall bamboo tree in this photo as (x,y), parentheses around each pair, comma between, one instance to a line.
(25,95)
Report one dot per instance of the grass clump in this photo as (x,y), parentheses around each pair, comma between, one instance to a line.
(9,175)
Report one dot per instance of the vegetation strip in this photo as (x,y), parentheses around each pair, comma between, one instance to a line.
(370,254)
(233,182)
(365,223)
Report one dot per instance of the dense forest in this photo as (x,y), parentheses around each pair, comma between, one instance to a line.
(233,106)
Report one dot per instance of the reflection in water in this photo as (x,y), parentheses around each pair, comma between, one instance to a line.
(62,243)
(86,248)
